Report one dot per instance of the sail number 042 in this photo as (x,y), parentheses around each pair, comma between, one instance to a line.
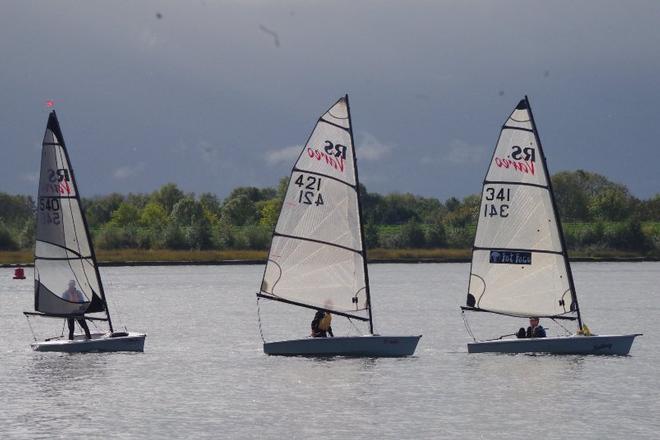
(310,190)
(496,196)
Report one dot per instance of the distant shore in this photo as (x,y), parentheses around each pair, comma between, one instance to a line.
(139,257)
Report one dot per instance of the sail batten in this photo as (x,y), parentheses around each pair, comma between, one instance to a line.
(508,182)
(325,175)
(333,124)
(316,258)
(519,265)
(507,127)
(317,241)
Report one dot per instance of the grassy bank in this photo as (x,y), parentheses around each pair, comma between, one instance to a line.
(165,256)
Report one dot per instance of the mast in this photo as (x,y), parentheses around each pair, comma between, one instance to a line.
(58,133)
(569,272)
(359,201)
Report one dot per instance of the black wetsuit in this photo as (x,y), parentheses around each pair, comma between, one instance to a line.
(539,332)
(82,323)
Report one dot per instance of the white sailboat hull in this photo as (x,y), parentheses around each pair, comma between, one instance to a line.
(351,346)
(599,345)
(100,342)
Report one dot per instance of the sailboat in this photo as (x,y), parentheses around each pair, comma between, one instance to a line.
(520,264)
(317,259)
(67,282)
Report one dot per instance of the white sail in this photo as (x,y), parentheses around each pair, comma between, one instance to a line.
(66,280)
(518,264)
(316,256)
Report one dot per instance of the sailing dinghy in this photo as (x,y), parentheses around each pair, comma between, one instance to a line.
(520,263)
(317,259)
(67,283)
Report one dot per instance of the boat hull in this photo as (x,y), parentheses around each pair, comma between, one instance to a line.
(599,345)
(100,342)
(351,346)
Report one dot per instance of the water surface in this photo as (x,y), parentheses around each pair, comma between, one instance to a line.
(204,375)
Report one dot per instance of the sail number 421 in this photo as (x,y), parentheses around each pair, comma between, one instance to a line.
(496,196)
(310,190)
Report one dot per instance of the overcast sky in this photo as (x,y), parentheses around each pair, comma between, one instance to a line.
(212,95)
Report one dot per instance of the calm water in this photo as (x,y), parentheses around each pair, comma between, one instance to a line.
(204,375)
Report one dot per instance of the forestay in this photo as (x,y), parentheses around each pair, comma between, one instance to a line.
(519,266)
(316,257)
(66,278)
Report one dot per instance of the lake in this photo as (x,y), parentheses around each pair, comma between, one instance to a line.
(204,375)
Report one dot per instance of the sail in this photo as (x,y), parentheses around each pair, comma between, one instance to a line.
(518,260)
(66,280)
(316,256)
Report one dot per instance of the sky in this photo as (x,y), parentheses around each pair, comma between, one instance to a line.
(213,95)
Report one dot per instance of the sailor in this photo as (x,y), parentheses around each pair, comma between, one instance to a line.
(535,330)
(75,296)
(321,327)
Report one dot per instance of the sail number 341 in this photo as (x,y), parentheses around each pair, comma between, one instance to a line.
(496,196)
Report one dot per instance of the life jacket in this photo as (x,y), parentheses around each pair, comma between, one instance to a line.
(325,322)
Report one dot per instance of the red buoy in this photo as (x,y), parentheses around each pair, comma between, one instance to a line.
(19,274)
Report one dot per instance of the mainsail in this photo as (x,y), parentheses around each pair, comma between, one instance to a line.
(519,261)
(67,281)
(317,255)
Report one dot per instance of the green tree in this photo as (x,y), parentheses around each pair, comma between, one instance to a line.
(15,210)
(466,213)
(190,217)
(112,236)
(435,235)
(371,237)
(210,203)
(153,215)
(138,200)
(452,204)
(650,209)
(628,235)
(282,187)
(222,235)
(168,195)
(7,242)
(412,235)
(98,210)
(174,238)
(575,192)
(27,235)
(613,204)
(125,215)
(252,193)
(239,211)
(269,210)
(187,212)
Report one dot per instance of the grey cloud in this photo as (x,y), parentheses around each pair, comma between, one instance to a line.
(285,155)
(128,171)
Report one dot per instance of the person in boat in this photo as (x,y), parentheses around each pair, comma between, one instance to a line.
(321,327)
(535,330)
(76,296)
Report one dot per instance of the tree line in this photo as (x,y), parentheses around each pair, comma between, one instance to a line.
(597,214)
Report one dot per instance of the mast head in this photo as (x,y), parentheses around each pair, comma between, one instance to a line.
(54,126)
(522,105)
